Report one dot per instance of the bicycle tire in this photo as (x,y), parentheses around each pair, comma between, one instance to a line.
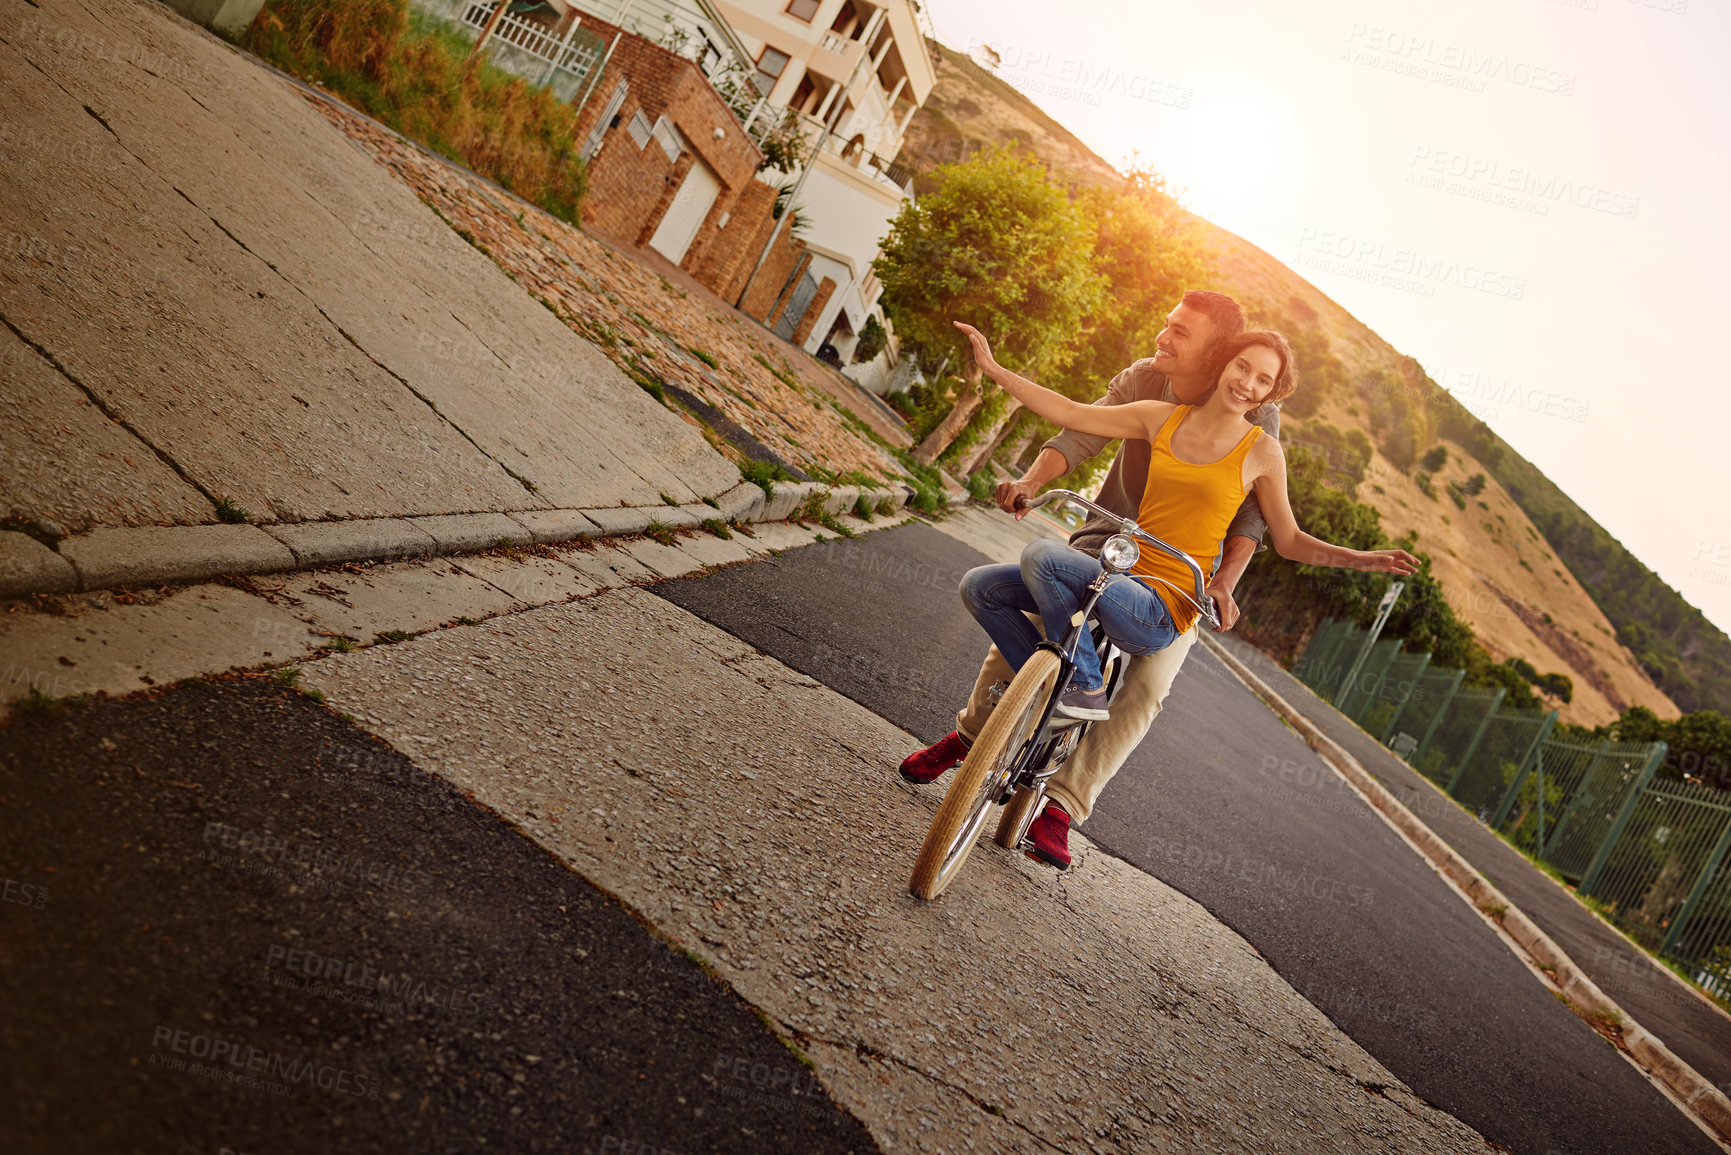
(981,776)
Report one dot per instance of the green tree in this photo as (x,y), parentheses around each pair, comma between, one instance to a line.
(1150,251)
(999,245)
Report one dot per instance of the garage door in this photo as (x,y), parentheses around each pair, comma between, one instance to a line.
(690,205)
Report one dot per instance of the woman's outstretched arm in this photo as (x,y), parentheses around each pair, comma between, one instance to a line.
(1293,543)
(1133,419)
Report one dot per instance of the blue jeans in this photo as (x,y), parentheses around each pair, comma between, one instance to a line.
(1053,581)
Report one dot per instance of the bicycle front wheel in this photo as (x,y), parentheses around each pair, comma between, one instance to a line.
(982,776)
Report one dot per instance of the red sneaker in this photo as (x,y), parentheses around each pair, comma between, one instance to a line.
(1050,834)
(923,766)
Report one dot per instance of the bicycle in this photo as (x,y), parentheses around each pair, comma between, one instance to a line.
(1024,743)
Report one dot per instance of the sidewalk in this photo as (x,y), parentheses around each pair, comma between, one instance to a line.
(218,308)
(1692,1027)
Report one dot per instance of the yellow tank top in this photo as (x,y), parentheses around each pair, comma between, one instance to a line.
(1189,506)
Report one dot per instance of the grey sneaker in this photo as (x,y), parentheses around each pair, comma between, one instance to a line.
(1085,705)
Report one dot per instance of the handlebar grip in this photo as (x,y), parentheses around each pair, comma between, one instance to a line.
(1021,501)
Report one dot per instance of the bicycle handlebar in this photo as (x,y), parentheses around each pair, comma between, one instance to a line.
(1202,601)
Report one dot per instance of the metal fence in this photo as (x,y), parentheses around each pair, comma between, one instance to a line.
(1653,853)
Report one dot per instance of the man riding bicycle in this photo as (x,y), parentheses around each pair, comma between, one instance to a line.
(1179,373)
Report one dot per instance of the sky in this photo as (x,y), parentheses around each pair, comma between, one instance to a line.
(1529,196)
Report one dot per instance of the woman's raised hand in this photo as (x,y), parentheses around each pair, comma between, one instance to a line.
(982,349)
(1396,561)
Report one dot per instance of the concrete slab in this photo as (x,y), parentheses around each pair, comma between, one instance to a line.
(608,567)
(780,535)
(203,349)
(665,561)
(432,309)
(66,462)
(409,596)
(29,567)
(744,502)
(657,766)
(787,499)
(555,525)
(151,554)
(699,512)
(532,580)
(626,519)
(841,499)
(118,649)
(329,542)
(462,532)
(711,550)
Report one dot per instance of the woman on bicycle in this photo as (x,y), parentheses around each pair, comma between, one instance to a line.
(1206,458)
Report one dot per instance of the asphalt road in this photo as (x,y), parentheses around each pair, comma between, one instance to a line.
(1697,1032)
(1224,803)
(229,882)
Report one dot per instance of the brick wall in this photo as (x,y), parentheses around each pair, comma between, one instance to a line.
(631,188)
(825,290)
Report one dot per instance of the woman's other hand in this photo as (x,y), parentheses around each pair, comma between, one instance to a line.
(1396,561)
(981,348)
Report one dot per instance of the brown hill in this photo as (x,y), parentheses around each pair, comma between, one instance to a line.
(1498,570)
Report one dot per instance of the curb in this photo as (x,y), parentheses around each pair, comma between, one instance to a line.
(149,555)
(1700,1099)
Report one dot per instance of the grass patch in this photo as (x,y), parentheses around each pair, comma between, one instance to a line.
(391,637)
(230,512)
(862,508)
(981,486)
(411,71)
(704,357)
(665,500)
(660,531)
(927,482)
(718,527)
(887,506)
(811,509)
(341,644)
(764,475)
(36,704)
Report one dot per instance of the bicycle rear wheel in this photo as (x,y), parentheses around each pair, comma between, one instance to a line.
(982,776)
(1018,813)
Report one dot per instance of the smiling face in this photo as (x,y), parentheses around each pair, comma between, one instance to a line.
(1181,349)
(1249,378)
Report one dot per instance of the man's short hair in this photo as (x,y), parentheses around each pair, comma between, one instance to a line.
(1225,314)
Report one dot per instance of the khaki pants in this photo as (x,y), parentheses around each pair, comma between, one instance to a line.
(1147,681)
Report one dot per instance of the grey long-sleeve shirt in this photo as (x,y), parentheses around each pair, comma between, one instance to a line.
(1128,477)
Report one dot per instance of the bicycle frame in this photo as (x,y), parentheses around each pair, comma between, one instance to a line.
(1023,773)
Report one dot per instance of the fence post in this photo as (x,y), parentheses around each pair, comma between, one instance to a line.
(1388,730)
(1591,877)
(1572,802)
(1473,746)
(1314,651)
(1381,676)
(1436,719)
(1527,760)
(1676,929)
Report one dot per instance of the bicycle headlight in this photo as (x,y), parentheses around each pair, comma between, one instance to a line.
(1120,552)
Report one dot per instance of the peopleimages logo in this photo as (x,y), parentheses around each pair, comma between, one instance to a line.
(1515,186)
(1402,267)
(327,975)
(1452,65)
(238,1061)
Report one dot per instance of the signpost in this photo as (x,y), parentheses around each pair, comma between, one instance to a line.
(1382,612)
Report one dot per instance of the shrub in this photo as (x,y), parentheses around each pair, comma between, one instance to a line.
(411,71)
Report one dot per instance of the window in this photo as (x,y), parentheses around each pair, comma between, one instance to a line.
(769,69)
(802,9)
(639,129)
(668,138)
